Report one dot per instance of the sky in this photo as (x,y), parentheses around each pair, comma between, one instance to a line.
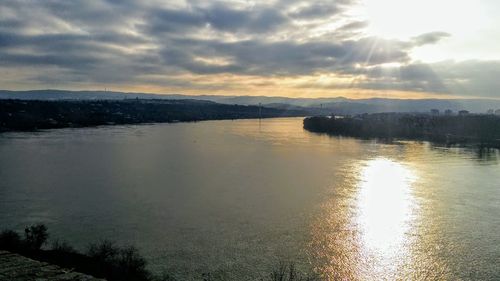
(292,48)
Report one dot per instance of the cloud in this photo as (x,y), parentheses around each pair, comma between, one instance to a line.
(412,77)
(259,57)
(263,19)
(353,26)
(473,78)
(218,17)
(430,38)
(315,10)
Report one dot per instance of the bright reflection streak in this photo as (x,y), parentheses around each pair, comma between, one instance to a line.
(385,208)
(369,226)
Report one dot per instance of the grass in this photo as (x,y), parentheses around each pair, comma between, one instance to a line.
(288,272)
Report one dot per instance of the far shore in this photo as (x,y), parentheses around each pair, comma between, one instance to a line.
(33,115)
(462,130)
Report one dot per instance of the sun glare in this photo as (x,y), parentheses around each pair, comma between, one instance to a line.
(406,18)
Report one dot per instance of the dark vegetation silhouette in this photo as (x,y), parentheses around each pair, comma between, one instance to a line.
(27,115)
(105,259)
(102,260)
(469,129)
(35,236)
(288,272)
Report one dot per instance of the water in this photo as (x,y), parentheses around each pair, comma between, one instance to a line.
(234,197)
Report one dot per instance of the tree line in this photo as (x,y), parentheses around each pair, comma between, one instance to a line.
(468,129)
(27,115)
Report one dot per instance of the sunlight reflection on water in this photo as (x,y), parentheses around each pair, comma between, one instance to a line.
(385,209)
(366,233)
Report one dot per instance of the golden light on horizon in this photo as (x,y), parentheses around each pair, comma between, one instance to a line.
(319,85)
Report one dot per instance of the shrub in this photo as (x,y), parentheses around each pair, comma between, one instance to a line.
(288,272)
(119,263)
(104,251)
(10,240)
(62,247)
(35,236)
(131,264)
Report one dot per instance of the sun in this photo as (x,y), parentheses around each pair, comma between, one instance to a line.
(403,19)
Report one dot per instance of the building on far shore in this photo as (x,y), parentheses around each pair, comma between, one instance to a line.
(463,113)
(448,112)
(490,111)
(497,112)
(435,112)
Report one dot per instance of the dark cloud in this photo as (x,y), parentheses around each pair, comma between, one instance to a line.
(166,20)
(353,26)
(259,57)
(472,78)
(430,38)
(314,10)
(412,77)
(252,20)
(218,17)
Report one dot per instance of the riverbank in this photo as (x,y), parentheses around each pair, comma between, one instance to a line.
(31,255)
(480,130)
(17,267)
(31,115)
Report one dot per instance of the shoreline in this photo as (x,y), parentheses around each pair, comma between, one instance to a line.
(34,115)
(449,131)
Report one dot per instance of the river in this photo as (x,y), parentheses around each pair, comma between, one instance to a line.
(235,197)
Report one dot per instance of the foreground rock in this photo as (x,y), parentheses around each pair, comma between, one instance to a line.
(17,267)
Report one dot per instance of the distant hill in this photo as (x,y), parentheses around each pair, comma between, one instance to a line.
(99,95)
(336,105)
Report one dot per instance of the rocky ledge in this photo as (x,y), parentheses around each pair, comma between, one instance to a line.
(17,267)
